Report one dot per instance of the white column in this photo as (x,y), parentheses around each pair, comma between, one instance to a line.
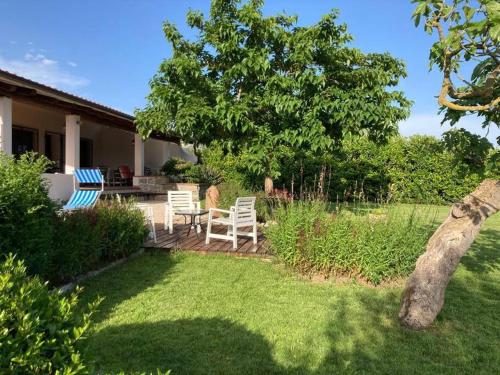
(6,125)
(138,155)
(72,143)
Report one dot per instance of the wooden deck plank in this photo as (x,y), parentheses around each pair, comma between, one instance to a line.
(181,240)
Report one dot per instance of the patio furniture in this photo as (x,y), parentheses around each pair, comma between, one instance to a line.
(105,172)
(241,215)
(114,178)
(178,201)
(88,184)
(147,210)
(126,174)
(195,216)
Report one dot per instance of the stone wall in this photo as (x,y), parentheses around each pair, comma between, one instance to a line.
(162,184)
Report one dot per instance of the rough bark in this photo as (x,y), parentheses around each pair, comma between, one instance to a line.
(268,185)
(423,296)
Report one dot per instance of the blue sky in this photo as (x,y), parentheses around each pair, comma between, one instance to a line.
(108,50)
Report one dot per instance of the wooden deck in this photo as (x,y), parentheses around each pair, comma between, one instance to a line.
(179,240)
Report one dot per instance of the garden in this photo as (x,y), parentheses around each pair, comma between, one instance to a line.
(356,217)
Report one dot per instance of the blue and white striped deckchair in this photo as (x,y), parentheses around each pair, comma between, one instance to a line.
(85,197)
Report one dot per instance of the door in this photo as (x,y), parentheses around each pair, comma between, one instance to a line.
(54,150)
(86,153)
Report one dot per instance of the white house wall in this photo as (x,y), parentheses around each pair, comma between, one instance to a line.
(60,186)
(112,147)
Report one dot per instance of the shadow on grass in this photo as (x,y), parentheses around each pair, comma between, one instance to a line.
(364,336)
(484,255)
(186,346)
(463,340)
(137,274)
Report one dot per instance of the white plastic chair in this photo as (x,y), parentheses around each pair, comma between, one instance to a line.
(242,214)
(150,218)
(178,201)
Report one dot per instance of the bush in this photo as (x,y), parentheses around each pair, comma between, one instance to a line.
(422,171)
(418,169)
(26,212)
(86,238)
(39,329)
(76,245)
(122,229)
(203,174)
(59,246)
(230,167)
(175,167)
(493,164)
(376,245)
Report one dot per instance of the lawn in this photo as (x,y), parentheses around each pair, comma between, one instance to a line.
(223,315)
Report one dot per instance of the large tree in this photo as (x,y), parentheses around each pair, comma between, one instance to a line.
(467,32)
(265,85)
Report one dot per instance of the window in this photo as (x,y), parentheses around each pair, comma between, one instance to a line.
(24,140)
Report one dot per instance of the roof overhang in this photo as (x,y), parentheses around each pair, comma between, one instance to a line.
(24,90)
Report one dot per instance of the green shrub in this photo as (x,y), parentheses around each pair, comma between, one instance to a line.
(77,245)
(376,245)
(230,167)
(58,246)
(418,169)
(203,174)
(86,238)
(122,229)
(229,191)
(26,212)
(422,171)
(39,329)
(175,167)
(493,164)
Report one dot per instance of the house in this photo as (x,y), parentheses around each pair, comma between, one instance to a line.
(74,133)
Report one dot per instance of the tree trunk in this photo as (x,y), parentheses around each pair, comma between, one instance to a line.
(423,296)
(268,185)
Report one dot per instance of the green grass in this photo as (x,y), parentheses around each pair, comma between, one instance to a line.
(222,315)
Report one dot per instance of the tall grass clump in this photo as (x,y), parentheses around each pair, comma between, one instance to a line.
(375,245)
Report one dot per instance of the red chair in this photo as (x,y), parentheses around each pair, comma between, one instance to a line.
(125,174)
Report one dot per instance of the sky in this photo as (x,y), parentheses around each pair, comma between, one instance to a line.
(108,50)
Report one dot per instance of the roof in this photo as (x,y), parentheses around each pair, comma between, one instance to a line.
(26,90)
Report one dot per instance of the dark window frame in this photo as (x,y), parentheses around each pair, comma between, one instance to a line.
(91,142)
(62,148)
(36,136)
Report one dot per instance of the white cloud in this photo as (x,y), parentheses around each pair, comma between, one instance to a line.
(39,68)
(72,64)
(430,124)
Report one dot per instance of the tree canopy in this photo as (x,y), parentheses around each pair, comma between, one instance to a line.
(468,33)
(265,85)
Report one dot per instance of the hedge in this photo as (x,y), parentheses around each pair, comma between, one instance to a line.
(58,246)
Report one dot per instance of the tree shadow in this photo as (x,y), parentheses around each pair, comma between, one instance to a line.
(137,274)
(364,334)
(484,254)
(367,339)
(185,346)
